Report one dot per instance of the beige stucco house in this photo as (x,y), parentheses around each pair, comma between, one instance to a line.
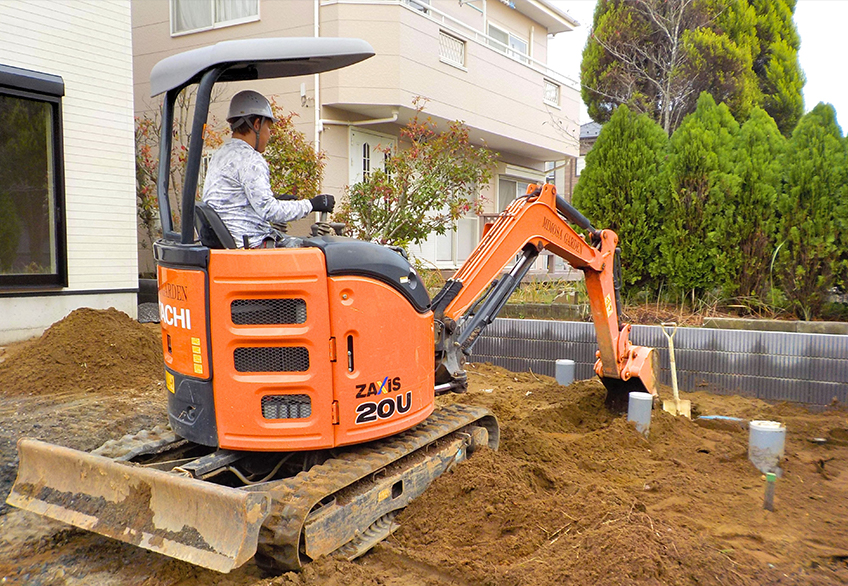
(480,61)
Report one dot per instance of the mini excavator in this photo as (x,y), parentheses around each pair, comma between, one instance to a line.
(301,381)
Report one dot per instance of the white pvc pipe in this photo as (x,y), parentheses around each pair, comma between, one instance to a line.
(639,411)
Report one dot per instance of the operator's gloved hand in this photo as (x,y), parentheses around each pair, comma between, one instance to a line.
(322,229)
(323,203)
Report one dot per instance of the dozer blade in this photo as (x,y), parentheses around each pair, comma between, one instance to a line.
(640,375)
(202,523)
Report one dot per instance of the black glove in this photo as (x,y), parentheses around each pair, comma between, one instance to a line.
(323,203)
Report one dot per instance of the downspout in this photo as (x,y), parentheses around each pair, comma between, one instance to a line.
(316,32)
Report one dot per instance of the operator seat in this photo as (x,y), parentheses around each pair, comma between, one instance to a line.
(210,228)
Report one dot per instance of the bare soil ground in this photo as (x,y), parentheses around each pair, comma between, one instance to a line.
(573,496)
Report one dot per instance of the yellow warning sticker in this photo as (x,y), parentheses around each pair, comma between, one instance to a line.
(195,341)
(169,381)
(608,303)
(384,494)
(197,358)
(198,368)
(195,349)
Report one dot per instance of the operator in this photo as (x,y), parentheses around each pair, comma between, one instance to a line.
(238,181)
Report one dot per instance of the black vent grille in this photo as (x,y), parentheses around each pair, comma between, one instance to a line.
(286,406)
(273,359)
(268,311)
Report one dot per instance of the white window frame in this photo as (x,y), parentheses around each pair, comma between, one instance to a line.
(469,226)
(355,159)
(550,84)
(508,49)
(445,59)
(581,164)
(215,25)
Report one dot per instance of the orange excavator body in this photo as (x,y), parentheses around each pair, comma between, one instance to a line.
(293,359)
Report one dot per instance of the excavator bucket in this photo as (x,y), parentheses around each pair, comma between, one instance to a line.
(199,522)
(642,374)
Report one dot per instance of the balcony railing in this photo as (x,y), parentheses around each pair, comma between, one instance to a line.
(469,34)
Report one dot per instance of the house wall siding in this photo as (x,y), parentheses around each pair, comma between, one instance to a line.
(87,43)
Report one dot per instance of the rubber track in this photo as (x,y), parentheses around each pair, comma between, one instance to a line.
(294,498)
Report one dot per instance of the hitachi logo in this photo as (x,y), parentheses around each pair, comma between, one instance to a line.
(175,317)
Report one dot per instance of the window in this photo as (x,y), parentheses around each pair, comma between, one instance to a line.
(451,49)
(508,190)
(367,153)
(581,164)
(550,172)
(455,246)
(508,43)
(32,235)
(366,161)
(551,93)
(199,15)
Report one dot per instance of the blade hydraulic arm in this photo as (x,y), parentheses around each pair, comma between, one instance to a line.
(536,221)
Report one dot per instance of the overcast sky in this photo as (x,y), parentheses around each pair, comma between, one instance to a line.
(824,50)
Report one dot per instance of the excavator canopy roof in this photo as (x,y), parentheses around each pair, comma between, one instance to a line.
(249,59)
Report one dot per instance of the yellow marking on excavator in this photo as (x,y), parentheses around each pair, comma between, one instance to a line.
(169,381)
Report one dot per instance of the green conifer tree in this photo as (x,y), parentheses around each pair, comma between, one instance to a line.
(657,56)
(781,80)
(811,210)
(619,188)
(697,207)
(748,238)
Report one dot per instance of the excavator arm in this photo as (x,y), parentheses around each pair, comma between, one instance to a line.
(534,222)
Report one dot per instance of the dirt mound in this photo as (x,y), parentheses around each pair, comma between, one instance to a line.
(573,496)
(577,496)
(89,349)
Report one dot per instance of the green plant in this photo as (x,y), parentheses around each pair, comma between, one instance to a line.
(698,207)
(147,132)
(748,236)
(621,187)
(812,207)
(657,56)
(425,188)
(296,167)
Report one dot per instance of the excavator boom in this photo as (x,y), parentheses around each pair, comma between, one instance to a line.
(537,221)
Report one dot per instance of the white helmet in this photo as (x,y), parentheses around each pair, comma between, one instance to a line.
(249,103)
